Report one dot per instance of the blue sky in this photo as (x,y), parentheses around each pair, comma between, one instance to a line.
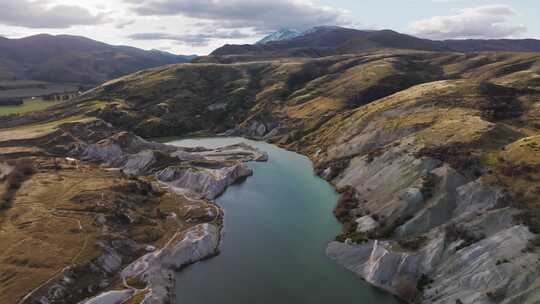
(200,26)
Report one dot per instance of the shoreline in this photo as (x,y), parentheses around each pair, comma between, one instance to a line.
(97,152)
(144,166)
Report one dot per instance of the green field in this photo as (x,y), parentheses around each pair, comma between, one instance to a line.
(28,106)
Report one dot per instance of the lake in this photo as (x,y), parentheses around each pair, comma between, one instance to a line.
(277,225)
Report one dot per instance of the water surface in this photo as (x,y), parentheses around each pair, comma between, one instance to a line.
(277,225)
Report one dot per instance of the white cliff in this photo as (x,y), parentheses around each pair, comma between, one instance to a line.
(449,238)
(156,269)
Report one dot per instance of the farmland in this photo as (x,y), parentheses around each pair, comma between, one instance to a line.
(29,105)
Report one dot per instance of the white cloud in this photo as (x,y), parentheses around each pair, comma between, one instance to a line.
(483,22)
(260,15)
(34,14)
(197,39)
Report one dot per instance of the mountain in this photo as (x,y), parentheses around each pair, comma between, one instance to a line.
(478,45)
(324,41)
(74,59)
(321,41)
(281,35)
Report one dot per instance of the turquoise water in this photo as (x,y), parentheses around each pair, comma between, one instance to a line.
(277,225)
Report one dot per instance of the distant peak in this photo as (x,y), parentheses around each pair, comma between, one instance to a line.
(43,35)
(280,35)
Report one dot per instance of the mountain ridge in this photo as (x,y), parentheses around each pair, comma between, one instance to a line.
(324,41)
(75,59)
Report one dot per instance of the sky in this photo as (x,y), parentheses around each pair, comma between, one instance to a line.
(200,26)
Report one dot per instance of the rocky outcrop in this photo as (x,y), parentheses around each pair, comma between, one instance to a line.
(453,272)
(5,170)
(206,182)
(157,269)
(366,224)
(258,130)
(379,265)
(240,152)
(198,174)
(199,171)
(488,270)
(445,238)
(111,297)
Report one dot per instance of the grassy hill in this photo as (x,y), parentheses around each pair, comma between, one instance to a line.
(74,59)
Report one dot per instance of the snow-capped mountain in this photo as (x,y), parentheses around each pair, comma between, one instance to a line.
(321,28)
(282,34)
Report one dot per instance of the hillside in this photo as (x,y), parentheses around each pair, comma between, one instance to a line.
(435,154)
(74,59)
(324,41)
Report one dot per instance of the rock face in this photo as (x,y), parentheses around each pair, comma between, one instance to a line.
(440,236)
(366,224)
(199,171)
(5,170)
(474,274)
(111,297)
(378,265)
(242,152)
(490,268)
(157,268)
(209,183)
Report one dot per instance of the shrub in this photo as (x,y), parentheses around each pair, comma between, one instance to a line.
(423,282)
(429,182)
(413,243)
(25,167)
(354,237)
(309,72)
(406,288)
(389,227)
(346,202)
(14,181)
(4,204)
(22,169)
(455,233)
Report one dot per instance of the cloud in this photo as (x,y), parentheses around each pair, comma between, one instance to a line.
(34,14)
(193,39)
(262,16)
(484,22)
(123,24)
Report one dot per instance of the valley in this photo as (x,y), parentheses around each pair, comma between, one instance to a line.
(434,155)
